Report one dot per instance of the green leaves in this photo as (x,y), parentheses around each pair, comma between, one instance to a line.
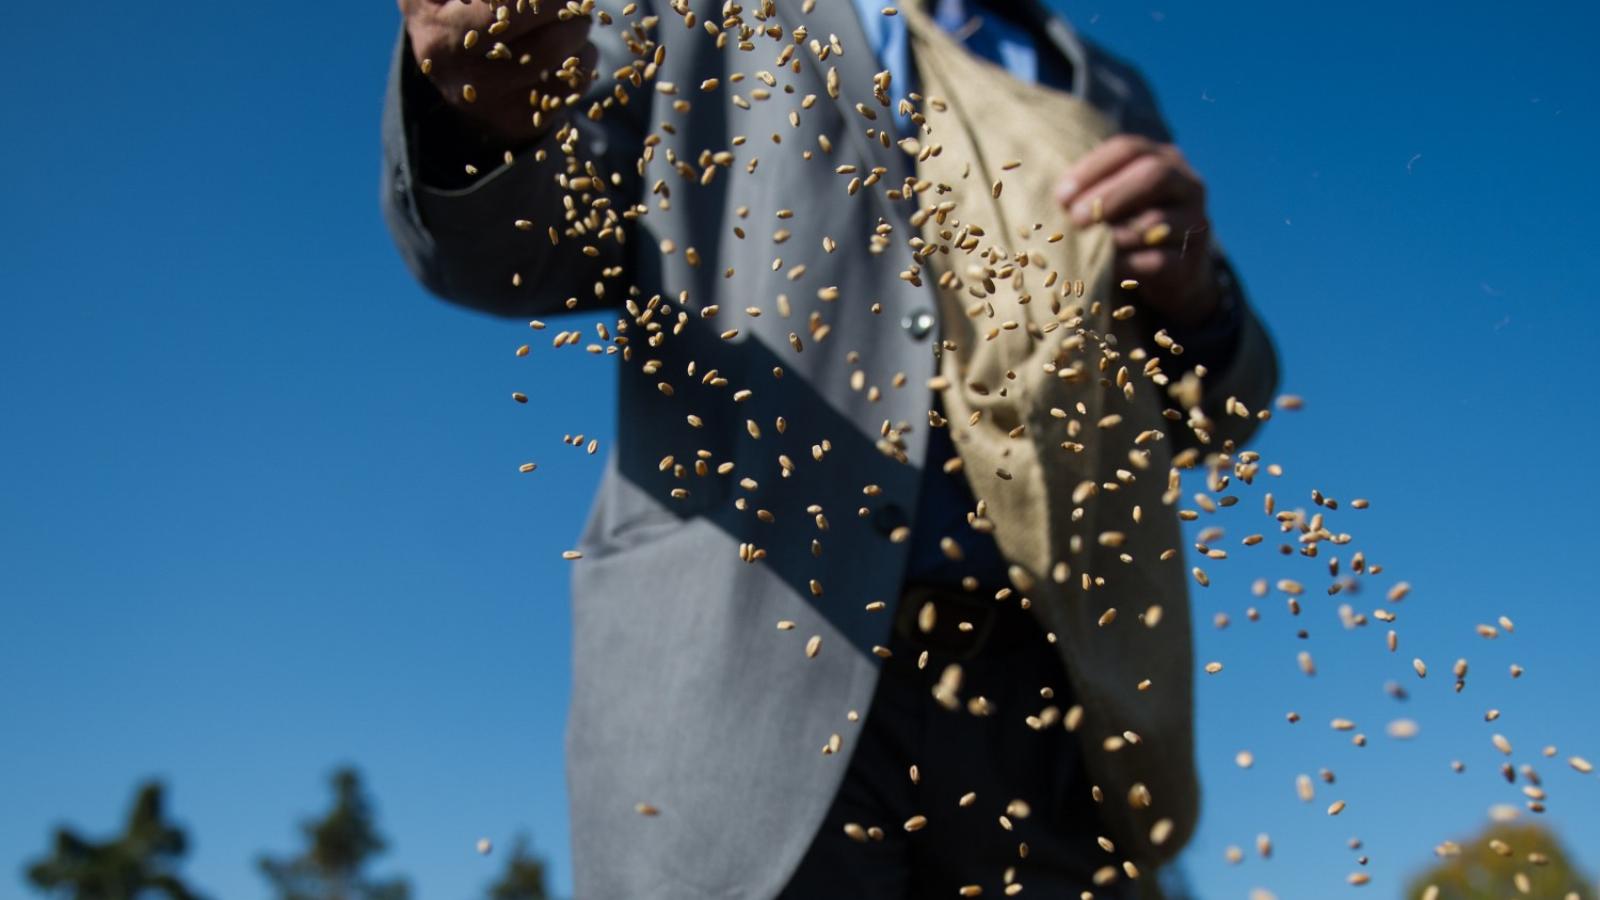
(340,845)
(138,863)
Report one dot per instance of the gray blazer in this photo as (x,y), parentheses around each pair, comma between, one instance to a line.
(686,697)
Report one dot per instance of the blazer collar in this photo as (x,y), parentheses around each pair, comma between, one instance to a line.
(857,65)
(1065,39)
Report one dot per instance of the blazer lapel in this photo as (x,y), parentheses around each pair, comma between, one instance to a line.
(1065,39)
(857,65)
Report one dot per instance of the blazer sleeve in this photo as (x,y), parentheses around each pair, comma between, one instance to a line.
(1249,373)
(1248,376)
(463,243)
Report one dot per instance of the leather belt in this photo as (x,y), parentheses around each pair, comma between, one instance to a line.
(962,624)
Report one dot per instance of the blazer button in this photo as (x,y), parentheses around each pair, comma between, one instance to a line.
(918,324)
(888,517)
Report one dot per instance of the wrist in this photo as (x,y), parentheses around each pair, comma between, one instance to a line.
(1213,340)
(451,149)
(1201,303)
(1192,305)
(439,92)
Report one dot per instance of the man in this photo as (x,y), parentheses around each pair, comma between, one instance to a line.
(808,661)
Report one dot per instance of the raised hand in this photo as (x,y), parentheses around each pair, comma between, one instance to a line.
(500,63)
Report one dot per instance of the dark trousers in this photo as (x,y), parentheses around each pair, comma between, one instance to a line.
(998,757)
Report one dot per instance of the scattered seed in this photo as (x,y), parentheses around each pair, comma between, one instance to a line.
(966,261)
(1402,729)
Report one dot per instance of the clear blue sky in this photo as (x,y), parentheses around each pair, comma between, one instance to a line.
(260,514)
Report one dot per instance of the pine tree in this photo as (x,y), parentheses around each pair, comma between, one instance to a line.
(341,844)
(523,878)
(135,865)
